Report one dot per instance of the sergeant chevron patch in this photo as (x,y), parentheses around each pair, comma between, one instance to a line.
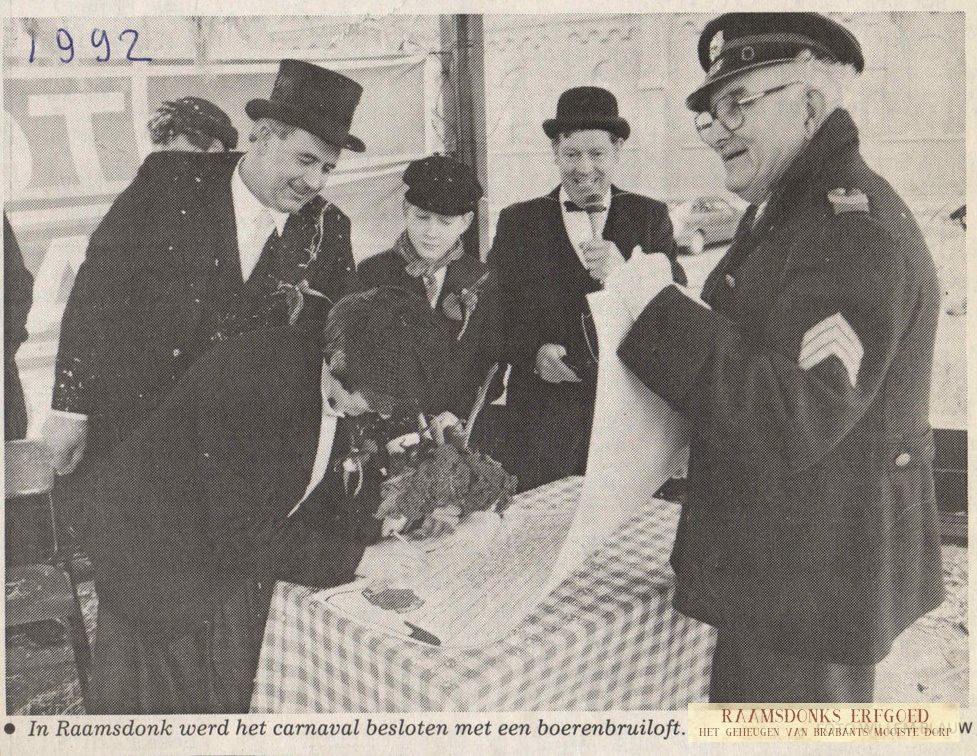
(832,336)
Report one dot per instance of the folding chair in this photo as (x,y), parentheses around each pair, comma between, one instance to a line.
(43,592)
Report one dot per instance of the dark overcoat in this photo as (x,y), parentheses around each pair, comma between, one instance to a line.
(468,359)
(810,525)
(543,288)
(158,271)
(193,504)
(18,296)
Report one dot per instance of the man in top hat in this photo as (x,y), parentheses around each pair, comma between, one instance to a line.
(429,259)
(551,252)
(809,534)
(192,124)
(236,481)
(198,249)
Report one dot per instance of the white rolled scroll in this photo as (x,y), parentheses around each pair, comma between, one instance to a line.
(637,443)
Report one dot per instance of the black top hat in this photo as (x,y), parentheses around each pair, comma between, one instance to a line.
(586,108)
(441,185)
(196,114)
(315,99)
(738,42)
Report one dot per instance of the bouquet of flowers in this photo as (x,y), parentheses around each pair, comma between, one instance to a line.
(427,474)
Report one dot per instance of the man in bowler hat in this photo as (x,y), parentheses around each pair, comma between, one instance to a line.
(550,252)
(809,534)
(201,248)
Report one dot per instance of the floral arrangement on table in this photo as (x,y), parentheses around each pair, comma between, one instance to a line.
(427,470)
(429,476)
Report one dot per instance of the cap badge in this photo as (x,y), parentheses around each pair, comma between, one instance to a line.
(848,201)
(716,46)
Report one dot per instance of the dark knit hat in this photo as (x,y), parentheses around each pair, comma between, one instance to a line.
(441,185)
(192,114)
(738,42)
(392,343)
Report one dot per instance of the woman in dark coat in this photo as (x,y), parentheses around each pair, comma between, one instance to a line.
(429,259)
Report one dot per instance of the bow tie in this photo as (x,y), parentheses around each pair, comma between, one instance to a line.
(573,207)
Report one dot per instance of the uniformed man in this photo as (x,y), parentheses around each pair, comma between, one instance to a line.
(809,536)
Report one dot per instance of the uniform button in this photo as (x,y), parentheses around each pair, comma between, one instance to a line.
(730,281)
(903,459)
(176,352)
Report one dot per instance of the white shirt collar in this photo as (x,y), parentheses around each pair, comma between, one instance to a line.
(327,435)
(247,207)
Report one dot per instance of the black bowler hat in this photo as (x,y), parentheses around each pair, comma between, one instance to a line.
(738,42)
(586,108)
(196,114)
(441,185)
(314,99)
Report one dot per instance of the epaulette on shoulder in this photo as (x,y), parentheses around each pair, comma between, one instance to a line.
(848,201)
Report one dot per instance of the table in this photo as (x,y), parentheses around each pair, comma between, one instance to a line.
(605,639)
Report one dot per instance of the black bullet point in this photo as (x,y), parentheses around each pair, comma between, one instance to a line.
(9,728)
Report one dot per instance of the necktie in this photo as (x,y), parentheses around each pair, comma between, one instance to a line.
(593,210)
(431,286)
(264,225)
(573,207)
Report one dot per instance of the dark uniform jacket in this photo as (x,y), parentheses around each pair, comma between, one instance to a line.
(468,359)
(193,504)
(810,524)
(162,278)
(543,288)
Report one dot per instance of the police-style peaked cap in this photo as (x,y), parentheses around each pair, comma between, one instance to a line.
(738,42)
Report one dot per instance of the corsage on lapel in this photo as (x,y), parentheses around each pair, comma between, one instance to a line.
(459,306)
(295,293)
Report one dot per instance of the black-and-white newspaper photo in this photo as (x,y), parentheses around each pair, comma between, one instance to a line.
(393,378)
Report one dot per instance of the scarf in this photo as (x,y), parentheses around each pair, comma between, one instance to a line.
(419,267)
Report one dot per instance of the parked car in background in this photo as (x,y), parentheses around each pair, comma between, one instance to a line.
(702,221)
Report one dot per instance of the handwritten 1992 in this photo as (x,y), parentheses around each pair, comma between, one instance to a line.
(99,41)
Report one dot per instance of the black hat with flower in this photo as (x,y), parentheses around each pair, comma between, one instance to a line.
(198,119)
(391,347)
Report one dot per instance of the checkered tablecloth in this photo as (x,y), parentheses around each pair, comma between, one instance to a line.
(606,638)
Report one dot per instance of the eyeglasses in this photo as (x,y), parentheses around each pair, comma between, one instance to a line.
(728,110)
